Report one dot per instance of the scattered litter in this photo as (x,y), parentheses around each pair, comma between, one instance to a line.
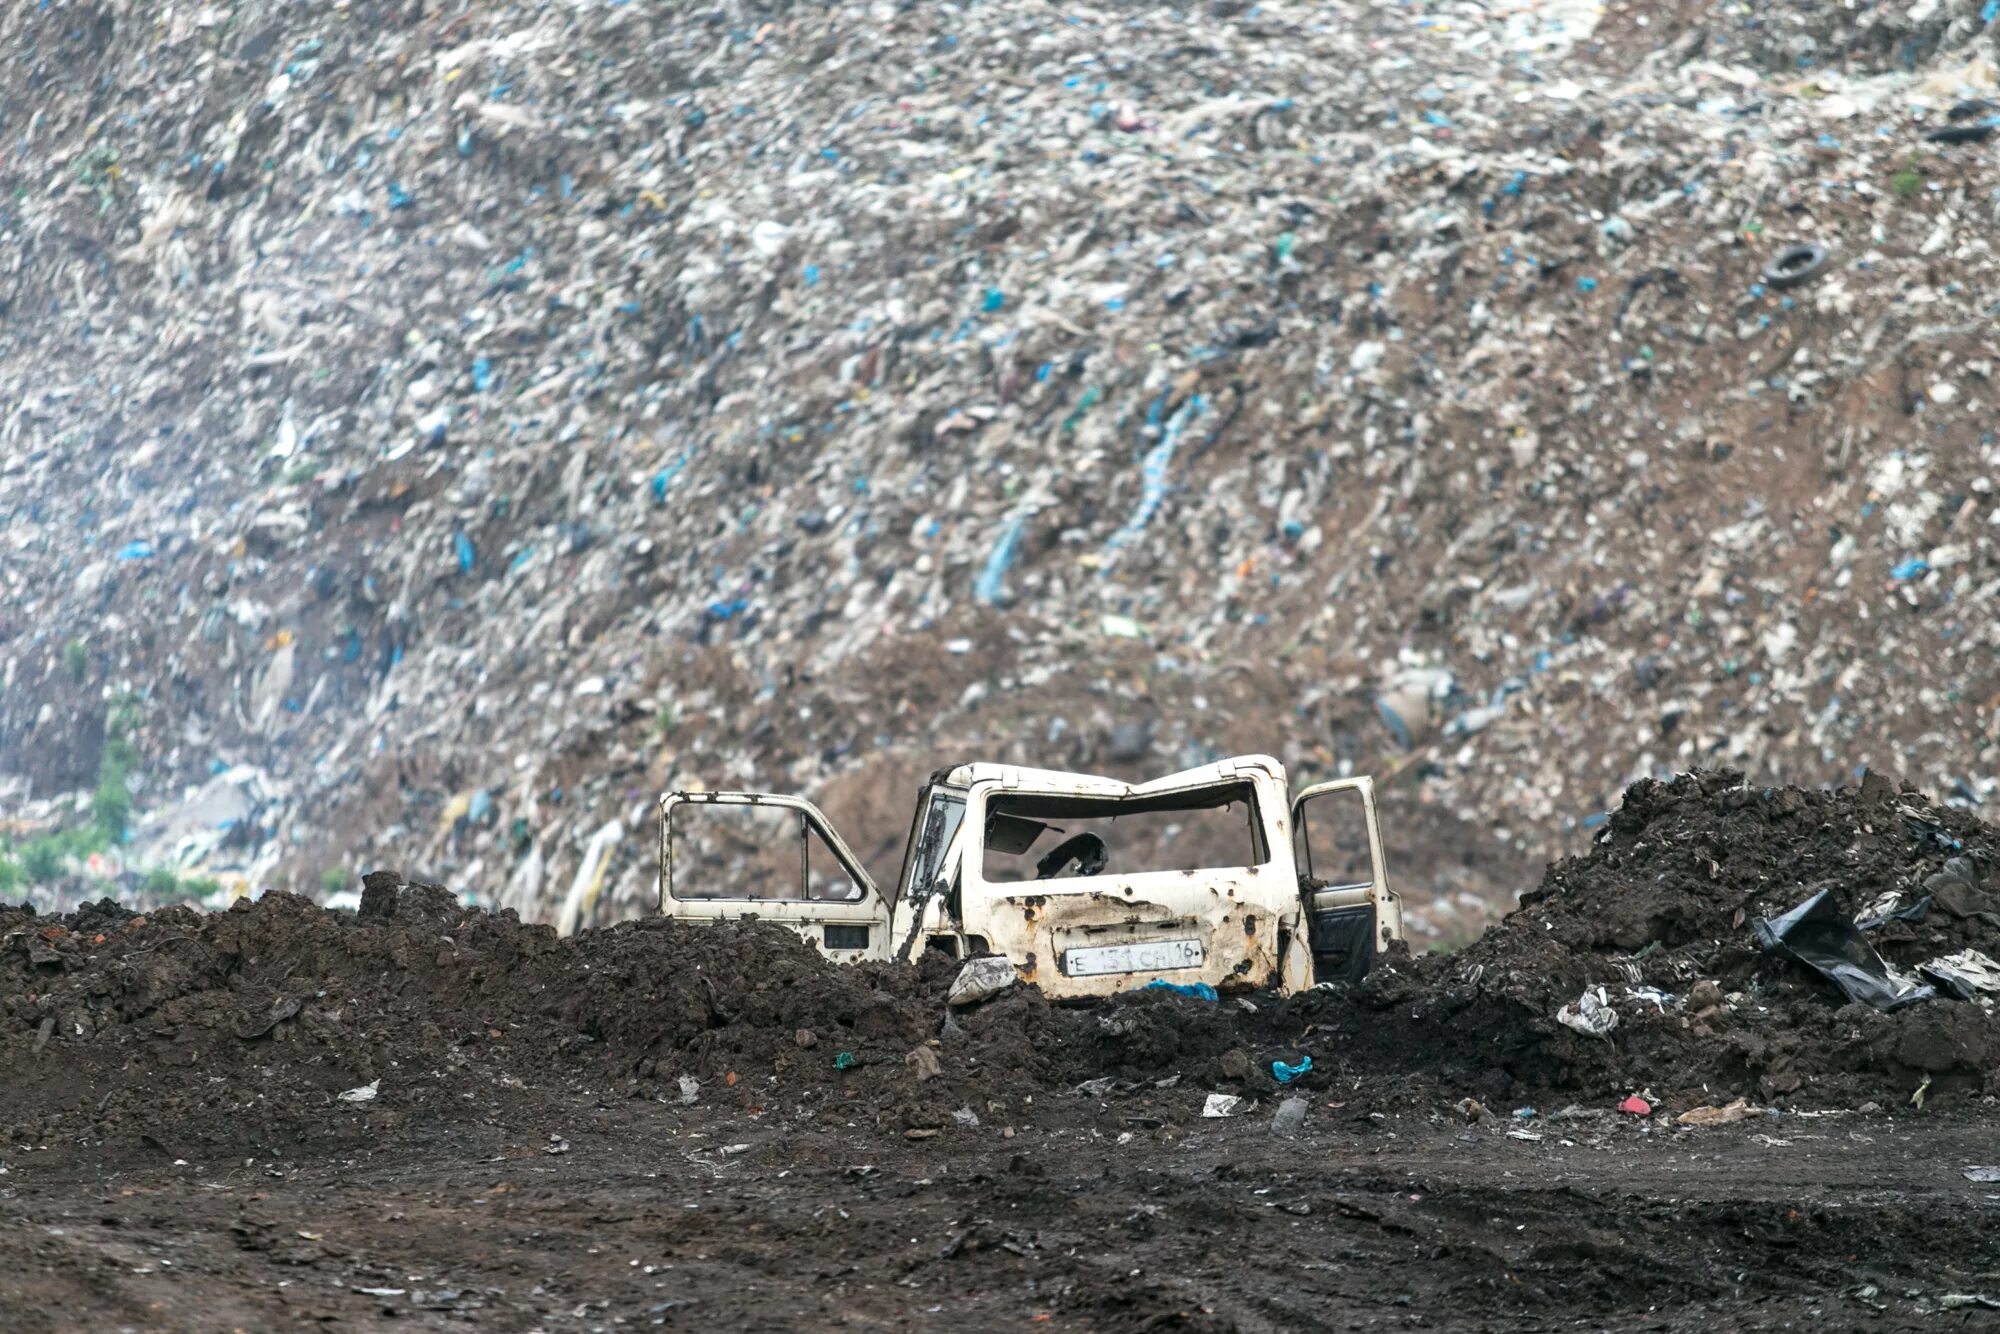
(1195,990)
(1285,1074)
(1966,975)
(923,1062)
(1590,1014)
(1739,1110)
(1636,1106)
(980,979)
(1290,1117)
(1221,1104)
(365,1093)
(1983,1175)
(690,1090)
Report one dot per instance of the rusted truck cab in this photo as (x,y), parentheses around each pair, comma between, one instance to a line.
(1089,885)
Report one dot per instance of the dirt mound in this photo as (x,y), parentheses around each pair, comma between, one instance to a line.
(117,1024)
(113,1024)
(1657,923)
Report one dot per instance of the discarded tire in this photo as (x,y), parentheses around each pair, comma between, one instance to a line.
(1795,264)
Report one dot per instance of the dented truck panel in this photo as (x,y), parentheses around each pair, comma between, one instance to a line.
(1113,925)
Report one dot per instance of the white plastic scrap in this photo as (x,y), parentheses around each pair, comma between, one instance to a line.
(366,1093)
(1222,1104)
(981,979)
(1590,1014)
(1965,971)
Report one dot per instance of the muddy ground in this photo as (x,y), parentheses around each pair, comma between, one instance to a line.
(420,1116)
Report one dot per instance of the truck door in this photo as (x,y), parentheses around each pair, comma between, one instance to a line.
(726,856)
(1351,913)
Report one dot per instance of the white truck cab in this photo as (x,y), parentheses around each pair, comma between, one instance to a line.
(1088,885)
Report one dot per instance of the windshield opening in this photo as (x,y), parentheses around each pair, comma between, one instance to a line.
(1058,836)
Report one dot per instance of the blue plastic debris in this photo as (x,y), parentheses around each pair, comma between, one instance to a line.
(466,556)
(991,584)
(1285,1074)
(993,300)
(1586,284)
(727,610)
(1912,567)
(812,275)
(1394,722)
(1153,471)
(664,478)
(399,197)
(137,549)
(1524,1113)
(482,375)
(1194,990)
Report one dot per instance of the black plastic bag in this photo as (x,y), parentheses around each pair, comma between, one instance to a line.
(1820,936)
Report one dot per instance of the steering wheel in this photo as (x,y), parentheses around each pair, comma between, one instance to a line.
(1086,850)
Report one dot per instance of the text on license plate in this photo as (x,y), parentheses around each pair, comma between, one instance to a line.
(1153,956)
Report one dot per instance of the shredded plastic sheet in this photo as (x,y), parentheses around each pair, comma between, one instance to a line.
(1818,936)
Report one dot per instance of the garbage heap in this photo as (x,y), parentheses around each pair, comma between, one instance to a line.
(435,428)
(1672,960)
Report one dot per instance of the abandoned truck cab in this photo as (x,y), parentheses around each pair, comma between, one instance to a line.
(1088,885)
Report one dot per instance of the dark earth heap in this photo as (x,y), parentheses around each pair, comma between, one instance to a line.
(251,1021)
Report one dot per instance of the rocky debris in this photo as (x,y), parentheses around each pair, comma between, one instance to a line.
(469,423)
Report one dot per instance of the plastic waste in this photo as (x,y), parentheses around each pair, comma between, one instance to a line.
(981,979)
(1195,990)
(1966,975)
(1818,936)
(1285,1074)
(1590,1014)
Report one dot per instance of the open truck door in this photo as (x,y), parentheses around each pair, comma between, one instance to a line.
(1351,913)
(727,856)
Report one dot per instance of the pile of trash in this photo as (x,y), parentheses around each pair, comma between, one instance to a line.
(1723,939)
(476,418)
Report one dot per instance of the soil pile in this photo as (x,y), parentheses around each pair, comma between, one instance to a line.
(113,1023)
(1657,923)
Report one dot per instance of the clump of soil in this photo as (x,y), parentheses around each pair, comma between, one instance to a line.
(1659,915)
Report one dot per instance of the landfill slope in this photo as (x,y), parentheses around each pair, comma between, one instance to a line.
(434,431)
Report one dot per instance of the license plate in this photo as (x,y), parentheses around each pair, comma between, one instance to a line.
(1153,956)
